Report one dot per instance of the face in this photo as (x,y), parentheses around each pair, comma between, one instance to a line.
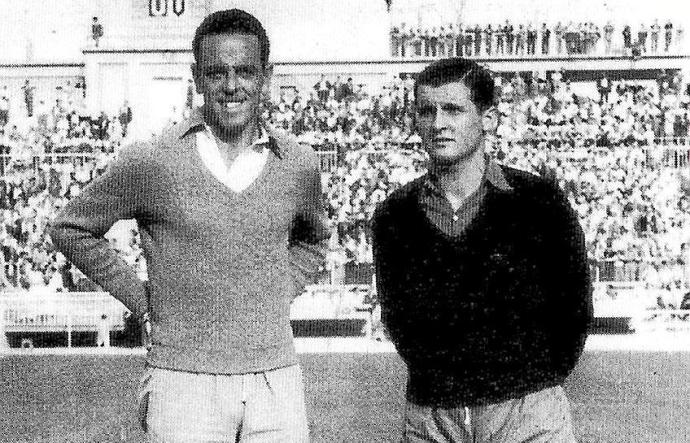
(230,76)
(448,122)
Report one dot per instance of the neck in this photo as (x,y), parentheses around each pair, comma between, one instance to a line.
(235,140)
(462,178)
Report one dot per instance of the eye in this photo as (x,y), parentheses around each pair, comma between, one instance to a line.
(246,71)
(454,109)
(215,75)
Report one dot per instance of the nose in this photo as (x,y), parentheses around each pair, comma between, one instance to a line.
(230,83)
(440,120)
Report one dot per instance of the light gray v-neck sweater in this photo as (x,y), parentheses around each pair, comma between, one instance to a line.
(223,266)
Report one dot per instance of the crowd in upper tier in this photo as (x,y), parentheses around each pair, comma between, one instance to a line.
(535,39)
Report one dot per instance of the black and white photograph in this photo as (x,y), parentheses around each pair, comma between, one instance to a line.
(255,221)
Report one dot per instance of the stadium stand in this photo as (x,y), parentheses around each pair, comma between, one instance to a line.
(618,150)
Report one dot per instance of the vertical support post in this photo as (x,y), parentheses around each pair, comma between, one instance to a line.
(69,329)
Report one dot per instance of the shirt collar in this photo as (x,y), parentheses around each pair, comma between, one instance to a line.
(493,175)
(196,123)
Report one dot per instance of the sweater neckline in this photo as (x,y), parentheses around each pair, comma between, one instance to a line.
(267,169)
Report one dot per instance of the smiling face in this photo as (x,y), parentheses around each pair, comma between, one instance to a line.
(230,76)
(448,122)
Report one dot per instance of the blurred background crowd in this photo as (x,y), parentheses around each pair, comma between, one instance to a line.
(619,149)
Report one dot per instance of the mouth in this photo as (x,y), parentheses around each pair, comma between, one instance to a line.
(232,105)
(443,140)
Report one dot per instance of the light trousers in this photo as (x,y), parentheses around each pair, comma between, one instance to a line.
(540,417)
(176,406)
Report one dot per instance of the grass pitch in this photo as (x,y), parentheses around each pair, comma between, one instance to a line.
(617,396)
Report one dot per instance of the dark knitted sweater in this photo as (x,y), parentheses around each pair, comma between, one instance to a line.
(496,313)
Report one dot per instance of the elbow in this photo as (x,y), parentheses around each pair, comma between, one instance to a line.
(56,231)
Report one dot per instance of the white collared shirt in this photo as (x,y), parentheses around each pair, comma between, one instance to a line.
(244,169)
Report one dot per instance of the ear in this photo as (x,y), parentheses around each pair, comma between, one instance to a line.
(198,78)
(490,120)
(266,86)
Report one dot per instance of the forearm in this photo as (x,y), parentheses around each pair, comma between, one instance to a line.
(97,260)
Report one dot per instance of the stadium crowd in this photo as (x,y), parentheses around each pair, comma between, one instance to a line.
(520,39)
(602,146)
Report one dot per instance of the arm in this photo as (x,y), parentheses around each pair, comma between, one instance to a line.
(568,282)
(78,230)
(387,280)
(309,232)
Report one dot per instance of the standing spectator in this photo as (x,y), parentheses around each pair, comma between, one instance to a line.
(189,96)
(654,36)
(668,35)
(680,31)
(395,41)
(469,38)
(433,41)
(441,41)
(477,39)
(488,39)
(604,88)
(545,39)
(402,41)
(520,37)
(508,30)
(4,111)
(642,38)
(125,117)
(460,41)
(234,218)
(627,37)
(500,38)
(322,88)
(96,31)
(531,39)
(426,38)
(559,32)
(28,89)
(499,251)
(608,37)
(415,38)
(450,40)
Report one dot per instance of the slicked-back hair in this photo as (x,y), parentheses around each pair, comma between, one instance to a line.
(231,21)
(458,69)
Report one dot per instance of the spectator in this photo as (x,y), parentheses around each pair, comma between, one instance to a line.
(545,37)
(654,36)
(668,35)
(608,37)
(4,111)
(96,31)
(642,33)
(28,89)
(559,33)
(627,37)
(125,117)
(531,40)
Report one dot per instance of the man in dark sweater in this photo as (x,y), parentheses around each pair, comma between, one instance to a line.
(231,222)
(482,276)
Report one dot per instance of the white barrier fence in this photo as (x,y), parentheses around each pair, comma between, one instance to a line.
(76,312)
(68,312)
(98,312)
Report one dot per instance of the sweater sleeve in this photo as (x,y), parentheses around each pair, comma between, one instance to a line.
(569,283)
(393,313)
(309,231)
(78,231)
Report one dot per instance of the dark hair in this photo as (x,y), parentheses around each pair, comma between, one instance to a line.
(231,21)
(455,69)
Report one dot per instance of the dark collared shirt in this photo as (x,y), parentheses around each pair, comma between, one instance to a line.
(439,210)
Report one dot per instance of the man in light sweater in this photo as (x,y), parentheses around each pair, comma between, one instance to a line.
(231,222)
